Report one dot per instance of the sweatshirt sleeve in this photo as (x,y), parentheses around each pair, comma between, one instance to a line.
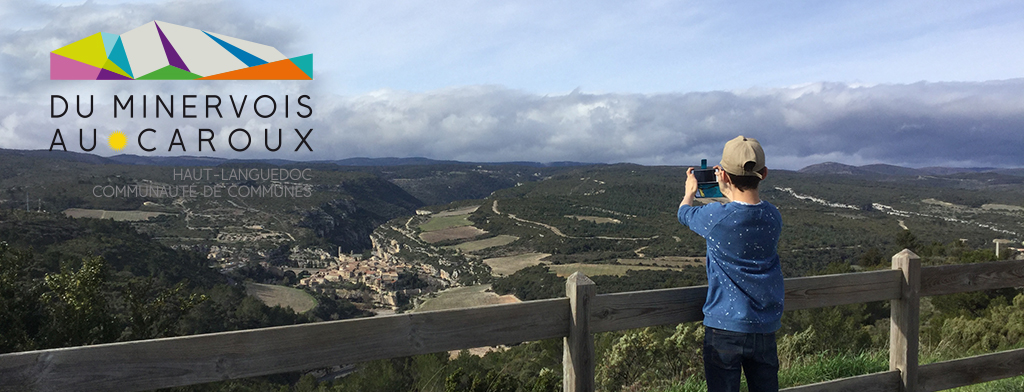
(698,219)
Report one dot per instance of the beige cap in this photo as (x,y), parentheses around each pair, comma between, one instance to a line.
(738,152)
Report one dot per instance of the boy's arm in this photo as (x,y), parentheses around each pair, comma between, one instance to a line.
(696,218)
(691,188)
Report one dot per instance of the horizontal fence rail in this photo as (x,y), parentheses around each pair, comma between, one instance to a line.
(188,360)
(876,382)
(966,371)
(959,278)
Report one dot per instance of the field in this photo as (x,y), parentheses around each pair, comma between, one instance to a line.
(445,222)
(464,297)
(287,297)
(988,206)
(1001,207)
(130,216)
(564,270)
(667,261)
(460,211)
(473,246)
(509,265)
(595,219)
(453,233)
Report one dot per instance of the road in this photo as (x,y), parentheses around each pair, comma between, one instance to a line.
(494,207)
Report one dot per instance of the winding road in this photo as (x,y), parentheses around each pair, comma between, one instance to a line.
(556,231)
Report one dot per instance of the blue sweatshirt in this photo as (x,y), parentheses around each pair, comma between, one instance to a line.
(745,285)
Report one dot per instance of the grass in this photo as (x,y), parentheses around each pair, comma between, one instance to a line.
(822,368)
(129,216)
(1013,384)
(299,300)
(451,233)
(809,371)
(445,222)
(599,269)
(595,219)
(509,265)
(473,246)
(692,384)
(465,297)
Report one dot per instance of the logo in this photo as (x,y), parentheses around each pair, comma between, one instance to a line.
(166,51)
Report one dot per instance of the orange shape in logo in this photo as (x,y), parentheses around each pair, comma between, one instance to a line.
(278,70)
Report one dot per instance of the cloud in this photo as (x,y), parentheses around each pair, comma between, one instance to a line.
(920,124)
(923,124)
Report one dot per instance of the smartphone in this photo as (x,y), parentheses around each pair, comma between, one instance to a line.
(707,183)
(705,176)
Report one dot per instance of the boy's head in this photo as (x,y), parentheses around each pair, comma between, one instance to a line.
(743,161)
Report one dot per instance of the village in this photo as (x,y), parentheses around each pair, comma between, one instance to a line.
(380,281)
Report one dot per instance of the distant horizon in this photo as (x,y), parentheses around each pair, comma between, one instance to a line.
(442,161)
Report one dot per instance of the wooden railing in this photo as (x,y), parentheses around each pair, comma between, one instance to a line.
(187,360)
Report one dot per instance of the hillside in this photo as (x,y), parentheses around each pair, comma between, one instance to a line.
(70,282)
(826,218)
(328,208)
(575,213)
(883,170)
(439,183)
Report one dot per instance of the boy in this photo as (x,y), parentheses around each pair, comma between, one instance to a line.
(744,303)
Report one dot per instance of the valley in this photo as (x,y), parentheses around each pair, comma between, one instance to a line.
(388,236)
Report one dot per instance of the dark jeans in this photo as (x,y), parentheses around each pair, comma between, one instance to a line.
(726,352)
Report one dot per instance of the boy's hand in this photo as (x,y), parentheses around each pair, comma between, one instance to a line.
(691,182)
(691,188)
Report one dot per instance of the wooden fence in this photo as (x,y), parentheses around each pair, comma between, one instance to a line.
(187,360)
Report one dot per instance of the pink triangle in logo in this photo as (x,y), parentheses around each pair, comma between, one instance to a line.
(63,68)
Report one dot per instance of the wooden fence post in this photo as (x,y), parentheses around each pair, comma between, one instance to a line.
(578,348)
(905,323)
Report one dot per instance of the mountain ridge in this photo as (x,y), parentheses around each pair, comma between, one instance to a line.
(189,160)
(881,169)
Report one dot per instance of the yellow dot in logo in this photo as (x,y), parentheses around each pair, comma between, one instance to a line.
(117,140)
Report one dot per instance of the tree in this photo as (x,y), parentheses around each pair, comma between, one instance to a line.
(289,278)
(833,330)
(21,313)
(530,283)
(493,381)
(77,305)
(871,257)
(1001,329)
(154,311)
(642,358)
(907,240)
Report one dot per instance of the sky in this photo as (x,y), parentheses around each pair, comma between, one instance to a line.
(912,83)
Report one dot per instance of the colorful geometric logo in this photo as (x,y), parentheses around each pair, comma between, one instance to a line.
(165,51)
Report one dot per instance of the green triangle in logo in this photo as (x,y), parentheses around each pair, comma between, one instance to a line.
(169,72)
